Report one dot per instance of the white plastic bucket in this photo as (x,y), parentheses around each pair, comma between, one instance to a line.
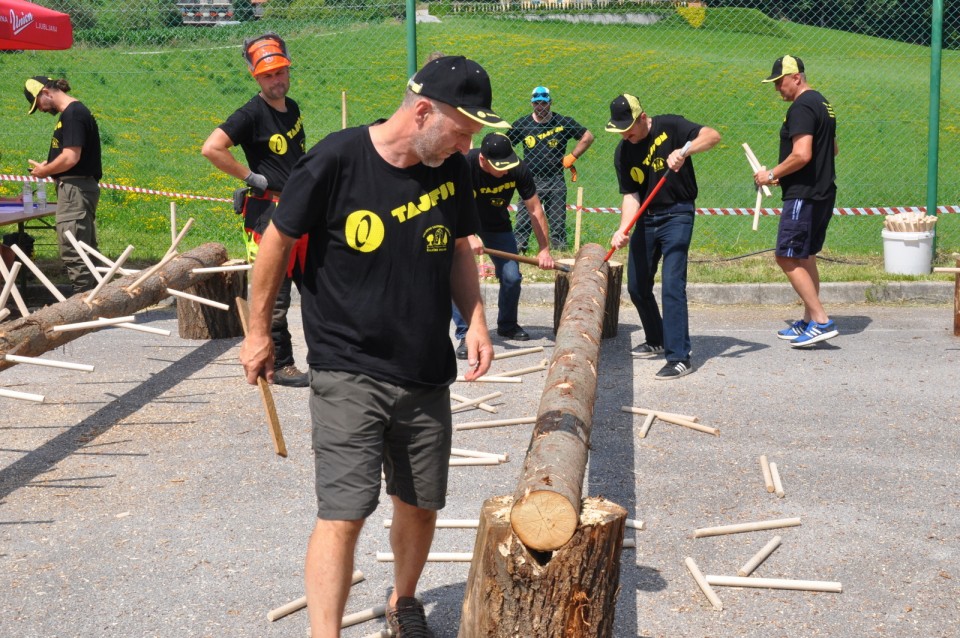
(907,253)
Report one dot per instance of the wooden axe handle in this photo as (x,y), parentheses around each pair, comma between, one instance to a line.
(522,259)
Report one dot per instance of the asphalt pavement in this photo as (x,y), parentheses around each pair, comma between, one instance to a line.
(144,498)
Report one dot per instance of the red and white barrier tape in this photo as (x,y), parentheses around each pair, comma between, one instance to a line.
(875,210)
(121,187)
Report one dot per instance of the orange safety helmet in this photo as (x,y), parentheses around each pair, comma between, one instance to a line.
(265,53)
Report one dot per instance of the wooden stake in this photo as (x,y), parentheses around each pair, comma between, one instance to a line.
(777,485)
(146,274)
(469,403)
(676,419)
(576,234)
(4,313)
(516,353)
(635,524)
(755,165)
(10,286)
(82,367)
(491,379)
(366,615)
(756,210)
(173,222)
(767,477)
(99,323)
(273,421)
(23,396)
(110,273)
(745,527)
(109,262)
(343,108)
(139,328)
(759,557)
(483,406)
(225,268)
(945,269)
(36,271)
(176,240)
(83,255)
(702,583)
(201,300)
(647,422)
(540,367)
(477,454)
(660,414)
(433,557)
(495,424)
(458,462)
(300,603)
(775,583)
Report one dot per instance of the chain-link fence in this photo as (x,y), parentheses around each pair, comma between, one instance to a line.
(160,76)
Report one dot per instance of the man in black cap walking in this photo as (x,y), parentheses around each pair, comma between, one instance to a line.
(388,209)
(75,164)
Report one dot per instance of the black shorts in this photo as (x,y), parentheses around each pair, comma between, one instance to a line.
(803,227)
(362,426)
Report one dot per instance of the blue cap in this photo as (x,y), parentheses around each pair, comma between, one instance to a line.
(540,94)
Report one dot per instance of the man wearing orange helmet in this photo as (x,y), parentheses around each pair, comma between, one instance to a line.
(269,129)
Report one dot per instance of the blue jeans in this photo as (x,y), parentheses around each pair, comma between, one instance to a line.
(663,235)
(508,272)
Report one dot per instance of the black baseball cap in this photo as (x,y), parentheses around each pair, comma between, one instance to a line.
(498,151)
(624,111)
(461,83)
(787,65)
(32,88)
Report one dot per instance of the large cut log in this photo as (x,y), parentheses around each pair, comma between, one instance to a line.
(512,591)
(547,500)
(611,318)
(201,321)
(33,335)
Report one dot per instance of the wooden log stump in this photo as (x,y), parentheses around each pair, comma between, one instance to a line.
(611,316)
(512,591)
(200,321)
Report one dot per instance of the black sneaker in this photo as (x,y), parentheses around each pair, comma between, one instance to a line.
(517,334)
(407,619)
(645,348)
(674,370)
(462,349)
(291,377)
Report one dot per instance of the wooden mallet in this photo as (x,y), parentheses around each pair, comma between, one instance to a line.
(273,421)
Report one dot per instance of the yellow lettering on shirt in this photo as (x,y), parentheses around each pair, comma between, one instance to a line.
(488,190)
(427,202)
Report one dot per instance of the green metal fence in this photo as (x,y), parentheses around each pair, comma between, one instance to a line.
(158,87)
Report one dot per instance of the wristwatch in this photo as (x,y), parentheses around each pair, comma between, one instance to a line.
(771,177)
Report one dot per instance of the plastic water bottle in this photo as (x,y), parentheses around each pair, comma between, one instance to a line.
(27,196)
(42,197)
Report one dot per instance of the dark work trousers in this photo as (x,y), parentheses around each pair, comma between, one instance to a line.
(282,345)
(662,236)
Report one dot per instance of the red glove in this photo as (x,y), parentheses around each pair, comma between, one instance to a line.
(568,160)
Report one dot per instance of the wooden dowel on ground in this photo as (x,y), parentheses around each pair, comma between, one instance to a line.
(200,300)
(102,281)
(745,527)
(36,271)
(300,603)
(471,403)
(465,400)
(366,615)
(629,543)
(516,353)
(433,557)
(540,367)
(676,419)
(99,323)
(448,523)
(492,379)
(767,477)
(463,461)
(476,425)
(647,422)
(82,367)
(660,414)
(635,524)
(83,255)
(759,557)
(702,583)
(23,396)
(774,583)
(477,454)
(777,485)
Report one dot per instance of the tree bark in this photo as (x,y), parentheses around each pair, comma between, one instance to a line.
(31,336)
(200,321)
(611,317)
(569,594)
(547,499)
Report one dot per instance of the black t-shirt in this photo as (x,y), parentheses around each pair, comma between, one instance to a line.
(272,141)
(493,194)
(640,166)
(545,143)
(78,127)
(376,288)
(810,114)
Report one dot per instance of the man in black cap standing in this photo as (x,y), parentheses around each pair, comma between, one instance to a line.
(652,146)
(269,129)
(388,209)
(497,172)
(74,162)
(806,174)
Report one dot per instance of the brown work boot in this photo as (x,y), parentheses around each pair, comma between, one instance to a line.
(407,619)
(290,376)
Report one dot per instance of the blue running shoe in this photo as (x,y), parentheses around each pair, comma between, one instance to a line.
(794,331)
(815,333)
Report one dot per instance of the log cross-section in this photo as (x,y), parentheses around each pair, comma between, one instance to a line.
(547,501)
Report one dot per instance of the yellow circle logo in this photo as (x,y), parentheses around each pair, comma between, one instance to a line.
(637,174)
(363,231)
(530,141)
(278,144)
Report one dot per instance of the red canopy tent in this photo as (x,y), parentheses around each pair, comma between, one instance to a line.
(28,26)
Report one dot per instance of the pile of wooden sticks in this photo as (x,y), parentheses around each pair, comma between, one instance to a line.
(909,223)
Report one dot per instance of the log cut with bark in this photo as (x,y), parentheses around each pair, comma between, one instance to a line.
(547,499)
(33,335)
(570,593)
